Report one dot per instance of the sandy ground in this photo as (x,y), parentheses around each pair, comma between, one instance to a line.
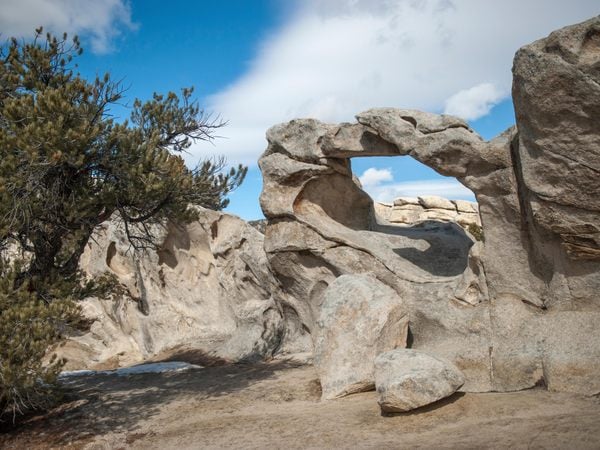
(276,405)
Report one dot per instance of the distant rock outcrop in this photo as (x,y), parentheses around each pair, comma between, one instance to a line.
(408,210)
(517,308)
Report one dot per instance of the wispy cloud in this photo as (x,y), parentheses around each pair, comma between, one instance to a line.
(380,185)
(476,102)
(100,21)
(335,58)
(451,189)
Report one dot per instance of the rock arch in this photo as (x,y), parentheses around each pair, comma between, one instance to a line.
(525,304)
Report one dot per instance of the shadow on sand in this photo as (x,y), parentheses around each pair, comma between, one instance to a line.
(99,404)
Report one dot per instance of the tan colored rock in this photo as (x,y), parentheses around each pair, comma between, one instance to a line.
(359,318)
(402,201)
(446,215)
(382,211)
(467,219)
(556,93)
(425,264)
(409,207)
(207,291)
(463,206)
(537,193)
(409,211)
(518,307)
(407,216)
(435,202)
(407,379)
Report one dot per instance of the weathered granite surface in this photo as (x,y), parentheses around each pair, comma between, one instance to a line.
(206,294)
(360,317)
(409,211)
(519,307)
(510,307)
(407,379)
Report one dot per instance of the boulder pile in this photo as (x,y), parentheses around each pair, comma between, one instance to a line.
(360,318)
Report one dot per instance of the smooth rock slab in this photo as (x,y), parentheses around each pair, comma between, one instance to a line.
(360,318)
(406,379)
(463,206)
(435,202)
(402,201)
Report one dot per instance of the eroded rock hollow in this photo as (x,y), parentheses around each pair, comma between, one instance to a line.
(207,295)
(514,310)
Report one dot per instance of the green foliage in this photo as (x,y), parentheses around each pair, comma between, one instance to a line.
(476,231)
(28,326)
(66,166)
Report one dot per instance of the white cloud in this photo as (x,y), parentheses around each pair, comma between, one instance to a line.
(380,185)
(335,58)
(98,20)
(447,188)
(473,103)
(373,177)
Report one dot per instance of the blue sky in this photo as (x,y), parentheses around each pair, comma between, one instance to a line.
(207,45)
(260,62)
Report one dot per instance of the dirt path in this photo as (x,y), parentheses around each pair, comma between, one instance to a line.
(277,405)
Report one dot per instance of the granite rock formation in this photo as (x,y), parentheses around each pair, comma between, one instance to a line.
(517,309)
(206,294)
(515,306)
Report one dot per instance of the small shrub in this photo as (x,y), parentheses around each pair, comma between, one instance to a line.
(476,231)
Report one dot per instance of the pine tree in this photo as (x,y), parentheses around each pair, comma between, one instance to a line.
(66,166)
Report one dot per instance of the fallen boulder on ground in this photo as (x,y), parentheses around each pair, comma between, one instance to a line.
(406,379)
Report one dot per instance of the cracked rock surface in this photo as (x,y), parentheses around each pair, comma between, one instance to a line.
(511,308)
(409,210)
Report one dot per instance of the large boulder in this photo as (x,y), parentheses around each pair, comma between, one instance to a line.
(206,294)
(490,306)
(407,379)
(556,93)
(360,317)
